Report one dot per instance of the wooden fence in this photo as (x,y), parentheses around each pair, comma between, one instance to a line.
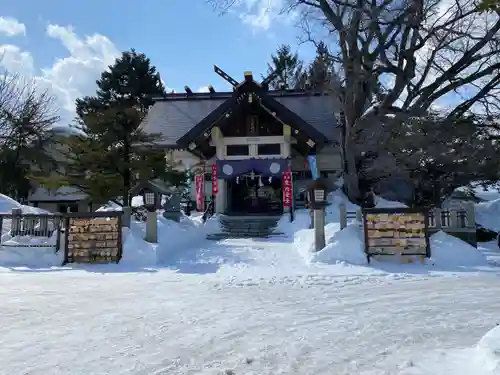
(89,237)
(40,227)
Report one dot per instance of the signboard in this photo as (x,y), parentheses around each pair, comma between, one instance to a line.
(215,180)
(200,193)
(287,188)
(93,237)
(396,231)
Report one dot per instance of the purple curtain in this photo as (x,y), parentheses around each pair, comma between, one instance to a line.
(228,169)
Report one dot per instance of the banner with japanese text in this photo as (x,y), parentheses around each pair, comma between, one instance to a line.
(200,193)
(215,180)
(287,188)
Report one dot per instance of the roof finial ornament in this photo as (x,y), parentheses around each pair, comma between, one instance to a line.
(226,76)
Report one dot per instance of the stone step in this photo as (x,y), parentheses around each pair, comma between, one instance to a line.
(224,229)
(225,236)
(243,223)
(247,228)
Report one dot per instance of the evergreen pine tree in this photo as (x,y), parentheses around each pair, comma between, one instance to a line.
(104,159)
(321,73)
(289,68)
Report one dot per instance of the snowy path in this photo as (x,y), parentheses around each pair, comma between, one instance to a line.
(76,322)
(273,256)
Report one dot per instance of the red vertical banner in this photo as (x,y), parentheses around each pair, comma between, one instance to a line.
(200,193)
(287,188)
(215,180)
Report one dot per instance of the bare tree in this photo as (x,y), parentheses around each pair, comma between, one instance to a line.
(27,115)
(426,54)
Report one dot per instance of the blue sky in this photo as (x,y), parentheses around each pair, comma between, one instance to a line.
(65,45)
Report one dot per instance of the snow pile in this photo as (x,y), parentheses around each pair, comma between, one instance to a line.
(136,251)
(345,246)
(449,251)
(488,350)
(301,221)
(487,194)
(384,203)
(26,251)
(338,245)
(488,215)
(7,204)
(483,359)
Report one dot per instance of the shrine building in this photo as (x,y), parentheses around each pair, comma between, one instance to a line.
(248,141)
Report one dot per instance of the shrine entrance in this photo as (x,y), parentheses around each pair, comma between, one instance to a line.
(255,194)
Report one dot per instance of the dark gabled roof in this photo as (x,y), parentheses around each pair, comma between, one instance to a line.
(174,118)
(318,111)
(182,116)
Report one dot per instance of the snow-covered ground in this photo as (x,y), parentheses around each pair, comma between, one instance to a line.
(254,306)
(76,322)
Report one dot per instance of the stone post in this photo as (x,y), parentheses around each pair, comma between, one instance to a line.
(319,229)
(152,227)
(343,215)
(127,213)
(15,227)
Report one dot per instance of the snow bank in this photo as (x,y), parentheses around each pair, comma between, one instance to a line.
(449,251)
(488,354)
(301,220)
(487,194)
(483,359)
(384,203)
(344,246)
(26,251)
(136,251)
(488,215)
(7,204)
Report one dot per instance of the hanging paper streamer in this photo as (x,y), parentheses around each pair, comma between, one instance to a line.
(313,166)
(215,180)
(200,193)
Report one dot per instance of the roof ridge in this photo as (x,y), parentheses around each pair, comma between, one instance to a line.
(228,94)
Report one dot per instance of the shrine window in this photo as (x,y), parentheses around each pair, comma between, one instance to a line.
(237,150)
(269,149)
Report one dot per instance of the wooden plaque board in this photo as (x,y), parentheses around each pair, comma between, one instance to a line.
(93,239)
(400,231)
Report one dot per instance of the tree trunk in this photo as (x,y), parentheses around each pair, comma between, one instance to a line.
(351,175)
(126,174)
(351,179)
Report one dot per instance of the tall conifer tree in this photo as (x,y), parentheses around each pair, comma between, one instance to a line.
(111,149)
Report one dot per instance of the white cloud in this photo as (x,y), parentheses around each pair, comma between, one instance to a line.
(11,27)
(261,13)
(74,76)
(203,89)
(69,77)
(14,60)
